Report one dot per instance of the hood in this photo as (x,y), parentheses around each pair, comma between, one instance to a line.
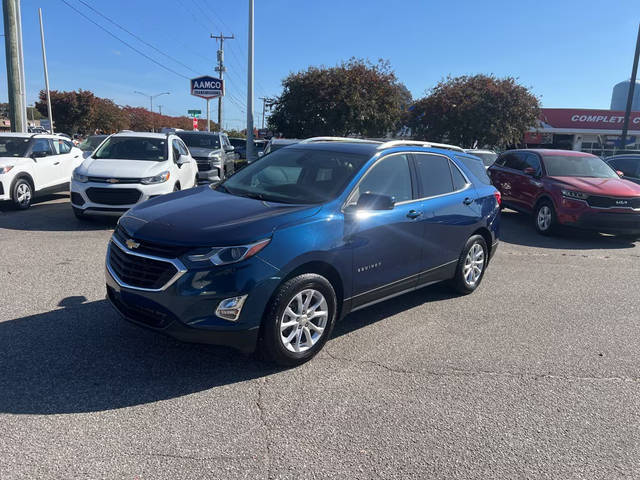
(5,161)
(121,168)
(203,152)
(204,217)
(610,187)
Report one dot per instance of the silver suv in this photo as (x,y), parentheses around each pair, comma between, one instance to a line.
(213,153)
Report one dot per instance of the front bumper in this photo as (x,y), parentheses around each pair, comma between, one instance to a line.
(81,199)
(185,309)
(608,222)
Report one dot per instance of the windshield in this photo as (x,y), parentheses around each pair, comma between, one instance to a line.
(577,166)
(13,146)
(487,158)
(200,140)
(91,143)
(296,176)
(133,148)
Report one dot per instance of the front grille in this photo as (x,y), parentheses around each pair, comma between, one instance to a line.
(612,202)
(204,167)
(140,309)
(113,180)
(113,196)
(76,198)
(138,271)
(151,248)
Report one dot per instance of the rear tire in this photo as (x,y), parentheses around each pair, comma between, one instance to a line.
(544,218)
(298,321)
(471,265)
(22,194)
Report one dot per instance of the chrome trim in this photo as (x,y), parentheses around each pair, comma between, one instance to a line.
(173,261)
(401,280)
(466,187)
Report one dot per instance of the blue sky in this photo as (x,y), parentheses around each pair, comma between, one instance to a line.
(569,52)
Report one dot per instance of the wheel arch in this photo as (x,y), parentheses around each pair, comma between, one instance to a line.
(544,198)
(25,176)
(488,238)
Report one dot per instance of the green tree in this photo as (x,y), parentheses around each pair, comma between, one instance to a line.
(481,108)
(356,97)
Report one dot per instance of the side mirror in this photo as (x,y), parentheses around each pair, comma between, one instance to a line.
(373,201)
(229,148)
(620,174)
(260,154)
(530,171)
(182,159)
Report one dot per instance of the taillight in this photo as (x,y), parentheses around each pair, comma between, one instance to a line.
(498,197)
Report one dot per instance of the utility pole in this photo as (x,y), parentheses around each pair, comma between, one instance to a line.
(46,72)
(627,113)
(250,145)
(220,69)
(23,83)
(12,44)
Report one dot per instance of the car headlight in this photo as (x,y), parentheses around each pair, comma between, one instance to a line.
(226,255)
(160,178)
(80,178)
(5,169)
(214,158)
(574,194)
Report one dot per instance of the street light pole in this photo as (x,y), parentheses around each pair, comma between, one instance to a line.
(46,72)
(151,97)
(250,145)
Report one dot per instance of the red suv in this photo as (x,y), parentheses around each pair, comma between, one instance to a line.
(564,187)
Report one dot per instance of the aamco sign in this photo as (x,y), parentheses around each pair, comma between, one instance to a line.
(207,87)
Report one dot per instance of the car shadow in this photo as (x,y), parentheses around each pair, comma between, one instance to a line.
(50,213)
(83,357)
(517,228)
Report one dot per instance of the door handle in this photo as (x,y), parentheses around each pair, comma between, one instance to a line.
(413,214)
(467,201)
(56,163)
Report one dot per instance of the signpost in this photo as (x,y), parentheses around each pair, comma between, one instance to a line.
(207,87)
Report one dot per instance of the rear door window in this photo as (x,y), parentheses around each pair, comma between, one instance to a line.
(434,174)
(533,161)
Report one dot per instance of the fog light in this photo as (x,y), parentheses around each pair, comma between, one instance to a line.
(230,308)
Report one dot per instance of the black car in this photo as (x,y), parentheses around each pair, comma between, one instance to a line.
(628,164)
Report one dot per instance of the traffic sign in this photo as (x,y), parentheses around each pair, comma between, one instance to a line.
(194,113)
(207,87)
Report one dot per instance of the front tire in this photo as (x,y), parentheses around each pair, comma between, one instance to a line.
(22,194)
(299,320)
(545,218)
(471,265)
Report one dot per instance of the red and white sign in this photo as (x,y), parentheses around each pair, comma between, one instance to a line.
(195,123)
(571,118)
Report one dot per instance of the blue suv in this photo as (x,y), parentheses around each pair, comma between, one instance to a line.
(272,257)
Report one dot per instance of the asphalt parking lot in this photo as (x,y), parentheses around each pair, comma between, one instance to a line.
(535,375)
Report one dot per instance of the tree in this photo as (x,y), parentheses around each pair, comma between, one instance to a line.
(107,116)
(353,98)
(484,109)
(72,111)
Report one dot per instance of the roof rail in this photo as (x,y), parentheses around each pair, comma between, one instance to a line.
(419,143)
(337,139)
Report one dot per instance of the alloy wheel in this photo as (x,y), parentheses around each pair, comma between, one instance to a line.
(304,320)
(23,194)
(544,218)
(473,265)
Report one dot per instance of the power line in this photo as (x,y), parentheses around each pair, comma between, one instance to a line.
(123,41)
(137,37)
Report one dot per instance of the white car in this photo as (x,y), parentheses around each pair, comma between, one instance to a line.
(37,163)
(129,168)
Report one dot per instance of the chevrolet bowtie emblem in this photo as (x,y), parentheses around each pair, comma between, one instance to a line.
(131,244)
(112,180)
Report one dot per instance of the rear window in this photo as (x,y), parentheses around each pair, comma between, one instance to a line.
(476,167)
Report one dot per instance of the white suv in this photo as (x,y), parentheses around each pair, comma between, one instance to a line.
(129,168)
(35,163)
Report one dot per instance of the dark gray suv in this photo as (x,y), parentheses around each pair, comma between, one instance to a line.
(213,153)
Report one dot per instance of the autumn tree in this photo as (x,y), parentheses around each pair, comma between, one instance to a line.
(107,116)
(481,108)
(72,111)
(356,97)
